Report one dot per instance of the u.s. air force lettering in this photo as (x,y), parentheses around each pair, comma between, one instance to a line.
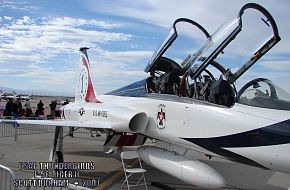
(100,113)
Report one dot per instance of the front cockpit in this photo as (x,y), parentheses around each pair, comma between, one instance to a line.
(263,93)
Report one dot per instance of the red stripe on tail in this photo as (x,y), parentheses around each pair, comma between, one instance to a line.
(90,95)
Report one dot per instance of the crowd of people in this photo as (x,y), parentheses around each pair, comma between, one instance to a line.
(14,109)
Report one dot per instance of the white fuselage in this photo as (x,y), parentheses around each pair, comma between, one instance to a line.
(179,122)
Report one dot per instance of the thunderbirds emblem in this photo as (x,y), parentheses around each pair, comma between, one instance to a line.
(82,111)
(161,117)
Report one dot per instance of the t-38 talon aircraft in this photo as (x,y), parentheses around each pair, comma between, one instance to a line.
(192,104)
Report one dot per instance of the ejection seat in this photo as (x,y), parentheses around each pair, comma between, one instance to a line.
(222,93)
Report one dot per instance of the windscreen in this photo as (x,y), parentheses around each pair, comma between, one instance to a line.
(185,37)
(265,94)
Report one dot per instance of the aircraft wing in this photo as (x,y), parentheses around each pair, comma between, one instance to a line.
(58,122)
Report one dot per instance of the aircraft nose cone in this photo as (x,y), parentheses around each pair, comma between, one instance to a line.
(216,181)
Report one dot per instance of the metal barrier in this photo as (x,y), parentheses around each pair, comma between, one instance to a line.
(6,178)
(10,130)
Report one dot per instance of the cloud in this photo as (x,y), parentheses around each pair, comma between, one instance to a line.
(126,56)
(7,18)
(279,78)
(19,5)
(113,69)
(206,12)
(40,77)
(35,43)
(163,14)
(48,45)
(277,65)
(27,38)
(210,14)
(69,22)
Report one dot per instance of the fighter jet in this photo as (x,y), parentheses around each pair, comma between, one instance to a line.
(192,104)
(12,95)
(23,96)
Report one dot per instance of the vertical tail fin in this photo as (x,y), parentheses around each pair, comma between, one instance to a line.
(85,89)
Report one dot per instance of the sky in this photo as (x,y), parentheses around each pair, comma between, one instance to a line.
(39,40)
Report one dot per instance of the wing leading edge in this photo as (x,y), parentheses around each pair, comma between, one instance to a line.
(58,122)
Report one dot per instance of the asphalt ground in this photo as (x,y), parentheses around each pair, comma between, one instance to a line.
(107,170)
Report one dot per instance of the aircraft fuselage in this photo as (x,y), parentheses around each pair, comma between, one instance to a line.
(246,134)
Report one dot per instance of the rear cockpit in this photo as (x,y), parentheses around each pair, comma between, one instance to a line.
(164,78)
(206,87)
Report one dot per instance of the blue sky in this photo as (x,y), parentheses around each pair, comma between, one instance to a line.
(39,40)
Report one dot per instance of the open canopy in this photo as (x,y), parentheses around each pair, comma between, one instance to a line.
(181,27)
(214,45)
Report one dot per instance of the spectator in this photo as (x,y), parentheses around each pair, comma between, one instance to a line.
(15,109)
(66,102)
(21,111)
(8,108)
(27,105)
(28,110)
(40,105)
(52,106)
(19,104)
(40,110)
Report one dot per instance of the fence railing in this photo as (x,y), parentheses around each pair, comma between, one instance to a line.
(10,130)
(7,176)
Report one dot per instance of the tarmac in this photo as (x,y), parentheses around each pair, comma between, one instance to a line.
(107,173)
